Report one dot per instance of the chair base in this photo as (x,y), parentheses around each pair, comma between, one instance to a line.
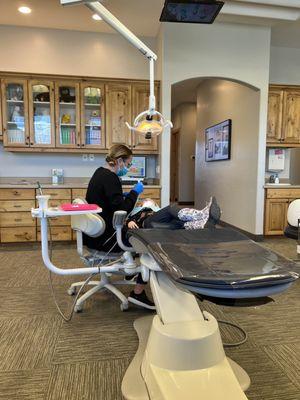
(103,283)
(133,384)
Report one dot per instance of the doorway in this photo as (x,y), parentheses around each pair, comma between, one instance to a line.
(174,168)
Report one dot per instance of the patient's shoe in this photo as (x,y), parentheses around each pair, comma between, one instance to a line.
(214,211)
(141,300)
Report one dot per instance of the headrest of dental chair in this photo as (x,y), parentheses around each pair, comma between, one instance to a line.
(293,213)
(91,224)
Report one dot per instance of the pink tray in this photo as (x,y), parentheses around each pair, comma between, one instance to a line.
(78,207)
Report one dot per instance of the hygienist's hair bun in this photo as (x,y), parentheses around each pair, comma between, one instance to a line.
(118,151)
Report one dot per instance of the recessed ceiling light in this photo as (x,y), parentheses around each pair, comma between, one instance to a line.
(96,17)
(24,10)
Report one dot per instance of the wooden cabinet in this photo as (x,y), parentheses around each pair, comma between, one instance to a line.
(140,102)
(1,126)
(16,223)
(92,115)
(67,112)
(41,113)
(275,216)
(275,106)
(60,226)
(276,205)
(283,116)
(15,113)
(291,117)
(118,111)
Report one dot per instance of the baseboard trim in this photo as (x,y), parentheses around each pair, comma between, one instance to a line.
(256,238)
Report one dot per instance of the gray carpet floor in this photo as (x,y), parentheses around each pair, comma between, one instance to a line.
(44,358)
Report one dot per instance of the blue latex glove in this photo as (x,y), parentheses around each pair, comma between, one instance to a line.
(138,188)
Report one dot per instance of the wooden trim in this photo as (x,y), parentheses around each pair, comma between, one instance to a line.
(22,82)
(50,84)
(58,77)
(71,150)
(285,145)
(101,86)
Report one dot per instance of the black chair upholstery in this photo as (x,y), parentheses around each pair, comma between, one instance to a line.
(291,232)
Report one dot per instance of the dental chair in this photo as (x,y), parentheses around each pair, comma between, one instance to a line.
(180,353)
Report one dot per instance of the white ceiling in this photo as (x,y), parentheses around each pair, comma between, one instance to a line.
(142,16)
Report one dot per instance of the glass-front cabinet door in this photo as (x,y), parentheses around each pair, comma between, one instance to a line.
(67,109)
(41,114)
(15,113)
(92,115)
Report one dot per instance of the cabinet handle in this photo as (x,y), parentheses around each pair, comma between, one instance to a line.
(18,219)
(17,206)
(16,193)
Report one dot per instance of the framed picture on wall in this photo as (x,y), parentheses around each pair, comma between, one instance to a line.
(218,141)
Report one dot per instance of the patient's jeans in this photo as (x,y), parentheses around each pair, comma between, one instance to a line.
(167,215)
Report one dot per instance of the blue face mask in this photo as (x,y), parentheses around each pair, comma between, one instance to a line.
(122,171)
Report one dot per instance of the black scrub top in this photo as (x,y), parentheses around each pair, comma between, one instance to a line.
(105,190)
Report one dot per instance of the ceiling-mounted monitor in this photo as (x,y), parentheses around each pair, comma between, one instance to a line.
(191,11)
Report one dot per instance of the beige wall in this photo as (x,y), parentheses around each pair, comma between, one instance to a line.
(184,118)
(71,53)
(237,52)
(68,53)
(285,65)
(233,182)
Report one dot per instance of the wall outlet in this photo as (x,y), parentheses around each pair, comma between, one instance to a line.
(84,157)
(92,157)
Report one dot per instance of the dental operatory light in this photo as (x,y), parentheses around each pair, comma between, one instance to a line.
(24,10)
(191,11)
(149,123)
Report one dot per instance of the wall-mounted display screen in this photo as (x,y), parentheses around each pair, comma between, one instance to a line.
(138,167)
(191,11)
(218,141)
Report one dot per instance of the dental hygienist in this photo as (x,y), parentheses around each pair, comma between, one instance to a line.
(105,189)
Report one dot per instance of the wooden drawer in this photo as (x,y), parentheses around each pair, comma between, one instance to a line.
(58,193)
(20,205)
(17,194)
(17,219)
(151,193)
(58,233)
(287,193)
(78,193)
(58,221)
(20,234)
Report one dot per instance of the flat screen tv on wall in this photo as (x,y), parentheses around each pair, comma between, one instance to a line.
(218,141)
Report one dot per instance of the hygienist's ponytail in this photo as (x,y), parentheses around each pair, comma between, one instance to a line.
(118,151)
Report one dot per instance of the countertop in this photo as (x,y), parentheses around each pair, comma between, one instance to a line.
(69,183)
(281,186)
